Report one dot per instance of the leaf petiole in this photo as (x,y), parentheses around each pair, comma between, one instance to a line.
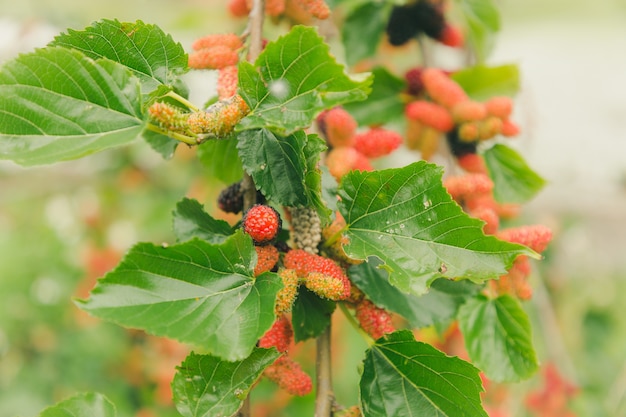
(179,137)
(182,100)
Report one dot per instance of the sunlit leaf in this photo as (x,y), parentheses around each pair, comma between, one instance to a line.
(88,404)
(292,81)
(58,104)
(145,49)
(194,292)
(514,181)
(482,82)
(405,217)
(498,337)
(207,386)
(402,377)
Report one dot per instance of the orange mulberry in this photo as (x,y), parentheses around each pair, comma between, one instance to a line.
(288,374)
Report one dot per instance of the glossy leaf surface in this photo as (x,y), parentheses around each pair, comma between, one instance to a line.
(207,386)
(498,338)
(294,79)
(58,104)
(402,377)
(145,49)
(405,217)
(194,292)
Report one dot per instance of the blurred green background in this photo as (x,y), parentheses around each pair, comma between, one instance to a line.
(63,226)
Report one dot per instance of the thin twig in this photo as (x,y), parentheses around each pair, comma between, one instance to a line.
(179,137)
(255,23)
(324,396)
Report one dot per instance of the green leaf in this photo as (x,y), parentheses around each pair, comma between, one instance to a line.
(437,307)
(405,217)
(194,292)
(316,195)
(402,377)
(58,104)
(191,221)
(87,404)
(206,386)
(482,19)
(310,315)
(498,337)
(145,49)
(363,29)
(482,82)
(294,79)
(284,168)
(384,104)
(221,160)
(162,144)
(514,181)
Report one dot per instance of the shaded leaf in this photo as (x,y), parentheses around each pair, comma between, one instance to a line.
(482,19)
(514,181)
(405,217)
(310,315)
(498,337)
(363,30)
(482,82)
(437,307)
(221,160)
(190,221)
(87,404)
(194,292)
(145,49)
(402,377)
(384,104)
(206,386)
(284,169)
(58,104)
(162,144)
(294,79)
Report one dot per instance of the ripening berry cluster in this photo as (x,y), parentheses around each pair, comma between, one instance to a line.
(220,119)
(473,191)
(298,11)
(319,274)
(215,51)
(407,21)
(374,320)
(350,149)
(442,107)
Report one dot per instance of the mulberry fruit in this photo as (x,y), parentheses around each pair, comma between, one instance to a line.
(377,142)
(307,229)
(430,114)
(262,223)
(280,335)
(304,263)
(339,127)
(374,320)
(288,374)
(287,295)
(267,257)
